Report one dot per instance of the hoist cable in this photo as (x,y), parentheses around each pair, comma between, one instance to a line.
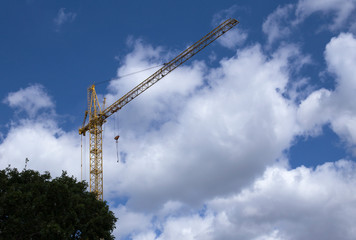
(85,153)
(117,152)
(81,157)
(116,138)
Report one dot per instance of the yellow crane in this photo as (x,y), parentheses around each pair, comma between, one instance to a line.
(98,116)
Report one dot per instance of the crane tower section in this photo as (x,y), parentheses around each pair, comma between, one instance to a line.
(95,144)
(97,117)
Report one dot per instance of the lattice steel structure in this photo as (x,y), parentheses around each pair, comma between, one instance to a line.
(98,117)
(95,144)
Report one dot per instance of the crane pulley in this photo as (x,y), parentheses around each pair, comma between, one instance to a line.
(97,116)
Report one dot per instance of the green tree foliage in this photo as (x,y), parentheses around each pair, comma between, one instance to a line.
(35,206)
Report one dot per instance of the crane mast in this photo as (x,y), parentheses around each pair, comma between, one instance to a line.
(97,117)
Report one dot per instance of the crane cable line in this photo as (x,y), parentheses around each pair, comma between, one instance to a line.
(116,132)
(129,74)
(82,153)
(85,158)
(81,157)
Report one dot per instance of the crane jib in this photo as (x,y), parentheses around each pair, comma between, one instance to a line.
(97,117)
(162,72)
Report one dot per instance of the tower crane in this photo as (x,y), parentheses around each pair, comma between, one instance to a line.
(98,116)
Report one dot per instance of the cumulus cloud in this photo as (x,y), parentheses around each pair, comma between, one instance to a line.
(296,204)
(46,146)
(201,148)
(341,9)
(234,125)
(30,100)
(224,14)
(237,36)
(281,23)
(132,223)
(291,204)
(37,136)
(63,17)
(335,106)
(165,99)
(192,227)
(228,122)
(277,25)
(314,111)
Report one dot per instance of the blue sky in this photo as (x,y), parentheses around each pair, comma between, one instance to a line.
(253,138)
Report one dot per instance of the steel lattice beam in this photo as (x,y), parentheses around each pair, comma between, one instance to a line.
(97,117)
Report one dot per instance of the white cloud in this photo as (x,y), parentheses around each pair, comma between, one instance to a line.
(165,99)
(283,204)
(30,100)
(341,9)
(36,135)
(46,146)
(190,228)
(228,122)
(340,54)
(63,17)
(281,23)
(314,111)
(198,140)
(221,137)
(225,14)
(237,36)
(277,25)
(131,223)
(335,107)
(293,204)
(145,236)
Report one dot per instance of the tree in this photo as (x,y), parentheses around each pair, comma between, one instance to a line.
(35,206)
